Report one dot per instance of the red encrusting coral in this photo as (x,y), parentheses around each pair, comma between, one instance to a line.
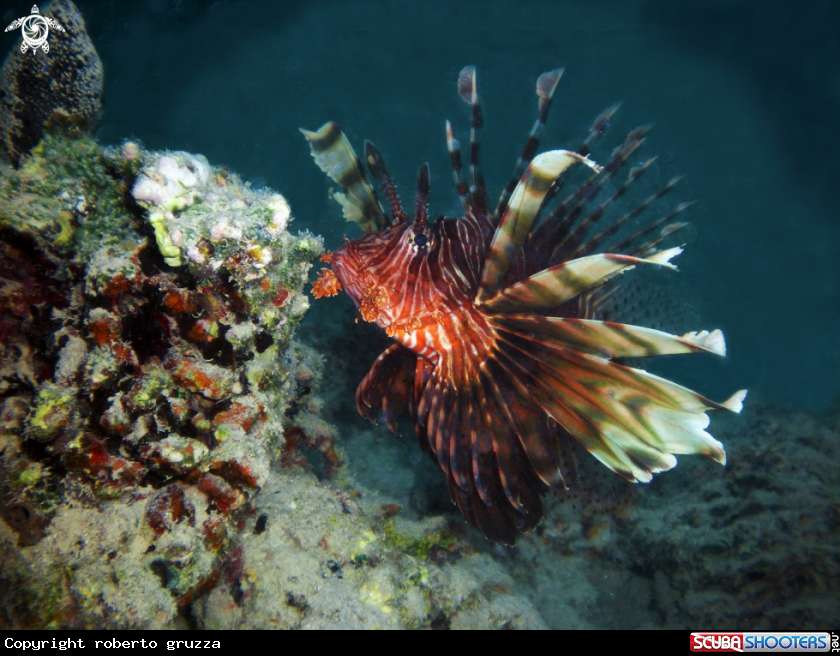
(323,442)
(168,506)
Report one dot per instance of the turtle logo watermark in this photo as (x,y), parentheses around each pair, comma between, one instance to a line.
(35,30)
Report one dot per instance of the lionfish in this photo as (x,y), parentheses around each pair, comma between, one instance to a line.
(499,356)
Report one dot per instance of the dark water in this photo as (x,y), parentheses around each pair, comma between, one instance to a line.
(744,98)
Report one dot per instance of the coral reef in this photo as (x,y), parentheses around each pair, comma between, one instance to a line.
(148,303)
(36,87)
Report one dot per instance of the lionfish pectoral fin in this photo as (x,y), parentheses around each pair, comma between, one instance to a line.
(335,156)
(632,421)
(388,386)
(538,437)
(607,339)
(490,477)
(556,285)
(521,213)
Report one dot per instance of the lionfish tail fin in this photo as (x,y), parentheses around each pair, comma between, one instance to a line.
(634,422)
(335,156)
(522,211)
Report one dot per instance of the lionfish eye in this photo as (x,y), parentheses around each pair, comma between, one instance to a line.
(420,240)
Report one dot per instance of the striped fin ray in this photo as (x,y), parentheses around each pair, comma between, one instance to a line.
(595,242)
(380,173)
(537,434)
(632,421)
(666,229)
(550,288)
(469,94)
(609,340)
(489,474)
(524,207)
(581,230)
(590,190)
(454,147)
(421,199)
(335,156)
(556,232)
(388,385)
(546,84)
(597,129)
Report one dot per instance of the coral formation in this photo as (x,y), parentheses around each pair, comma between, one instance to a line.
(64,84)
(147,360)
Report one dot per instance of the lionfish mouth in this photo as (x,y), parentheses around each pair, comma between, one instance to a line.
(502,354)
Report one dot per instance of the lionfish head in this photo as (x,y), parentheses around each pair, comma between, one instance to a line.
(371,268)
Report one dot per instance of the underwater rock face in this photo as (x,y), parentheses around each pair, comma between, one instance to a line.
(314,559)
(66,83)
(142,385)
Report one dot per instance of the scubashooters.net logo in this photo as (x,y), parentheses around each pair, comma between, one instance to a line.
(793,641)
(35,30)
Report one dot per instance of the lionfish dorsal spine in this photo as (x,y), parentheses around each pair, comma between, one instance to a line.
(380,173)
(566,215)
(468,91)
(591,243)
(665,226)
(421,198)
(598,128)
(335,156)
(522,211)
(546,85)
(454,148)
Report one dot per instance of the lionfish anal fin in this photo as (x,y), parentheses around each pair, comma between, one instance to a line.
(335,156)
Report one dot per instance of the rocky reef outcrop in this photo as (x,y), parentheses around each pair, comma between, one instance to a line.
(148,305)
